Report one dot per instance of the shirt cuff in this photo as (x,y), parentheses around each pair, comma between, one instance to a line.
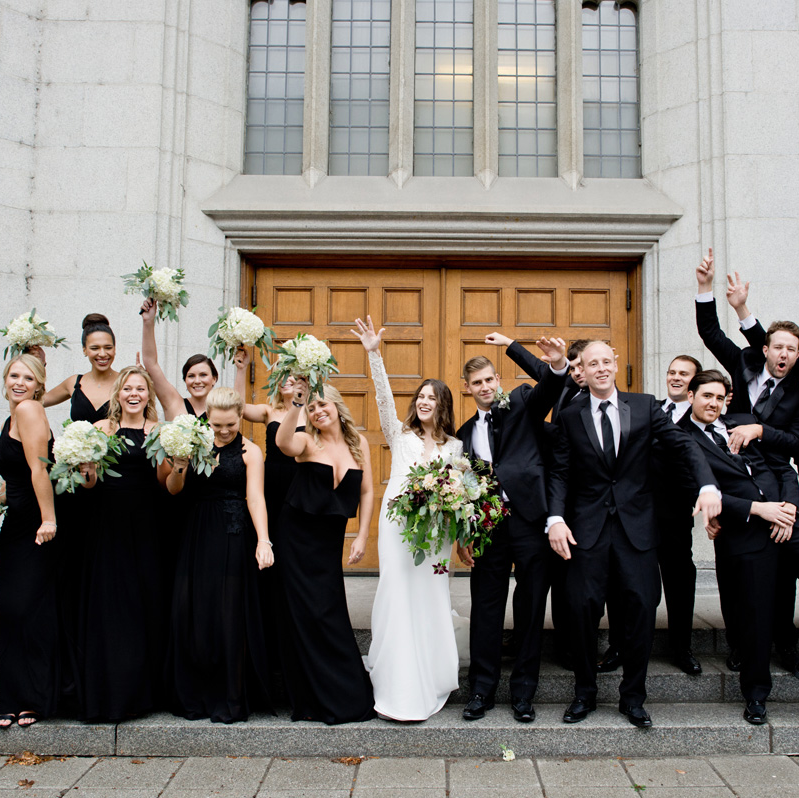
(553,519)
(710,489)
(562,371)
(748,322)
(707,296)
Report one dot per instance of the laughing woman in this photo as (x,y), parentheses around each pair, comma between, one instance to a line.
(28,624)
(199,373)
(121,634)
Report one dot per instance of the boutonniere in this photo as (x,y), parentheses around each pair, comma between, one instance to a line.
(502,398)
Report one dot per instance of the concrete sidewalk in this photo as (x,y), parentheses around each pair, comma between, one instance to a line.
(231,777)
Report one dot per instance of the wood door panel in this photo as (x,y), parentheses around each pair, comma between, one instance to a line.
(436,318)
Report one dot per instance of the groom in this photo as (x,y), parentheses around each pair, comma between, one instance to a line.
(510,434)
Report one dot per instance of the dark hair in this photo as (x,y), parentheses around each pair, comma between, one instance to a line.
(96,322)
(706,377)
(470,366)
(195,360)
(444,419)
(689,359)
(782,326)
(576,348)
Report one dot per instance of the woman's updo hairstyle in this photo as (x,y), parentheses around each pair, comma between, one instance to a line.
(195,360)
(96,322)
(224,398)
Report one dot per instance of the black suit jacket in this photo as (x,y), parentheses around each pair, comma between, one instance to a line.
(780,417)
(675,489)
(741,532)
(519,435)
(584,489)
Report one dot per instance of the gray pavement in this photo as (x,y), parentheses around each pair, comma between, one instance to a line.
(383,777)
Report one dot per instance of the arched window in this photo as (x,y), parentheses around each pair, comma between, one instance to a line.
(611,125)
(276,88)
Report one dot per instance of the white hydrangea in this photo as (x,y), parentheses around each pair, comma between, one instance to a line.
(166,289)
(240,327)
(311,353)
(80,443)
(22,333)
(184,435)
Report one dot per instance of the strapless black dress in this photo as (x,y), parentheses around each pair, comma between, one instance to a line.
(324,673)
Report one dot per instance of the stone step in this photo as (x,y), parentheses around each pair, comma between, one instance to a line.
(678,730)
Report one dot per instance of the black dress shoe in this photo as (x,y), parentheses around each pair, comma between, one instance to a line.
(523,709)
(789,659)
(611,660)
(733,661)
(477,707)
(578,710)
(755,712)
(638,716)
(687,662)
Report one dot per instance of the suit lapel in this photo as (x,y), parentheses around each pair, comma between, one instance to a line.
(624,423)
(468,429)
(588,423)
(773,401)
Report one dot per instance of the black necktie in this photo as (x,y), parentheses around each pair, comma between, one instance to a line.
(718,438)
(760,404)
(490,426)
(669,409)
(608,443)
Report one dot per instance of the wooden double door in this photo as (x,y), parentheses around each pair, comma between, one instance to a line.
(436,317)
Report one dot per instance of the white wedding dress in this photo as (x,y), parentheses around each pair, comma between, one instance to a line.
(413,658)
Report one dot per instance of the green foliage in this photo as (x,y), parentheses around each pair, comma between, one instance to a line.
(286,366)
(141,282)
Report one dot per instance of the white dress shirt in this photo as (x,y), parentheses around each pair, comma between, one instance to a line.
(755,386)
(612,413)
(679,409)
(480,444)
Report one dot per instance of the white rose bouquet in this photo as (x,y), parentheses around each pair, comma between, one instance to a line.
(303,356)
(28,330)
(164,286)
(185,436)
(81,443)
(238,327)
(443,502)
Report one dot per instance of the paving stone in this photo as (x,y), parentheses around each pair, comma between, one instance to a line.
(629,792)
(398,792)
(533,791)
(110,792)
(673,772)
(767,792)
(686,792)
(784,723)
(30,792)
(484,773)
(61,737)
(54,774)
(310,792)
(321,773)
(215,774)
(582,773)
(591,792)
(130,773)
(387,772)
(182,792)
(756,771)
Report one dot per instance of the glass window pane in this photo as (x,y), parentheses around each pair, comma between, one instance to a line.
(611,136)
(359,87)
(276,86)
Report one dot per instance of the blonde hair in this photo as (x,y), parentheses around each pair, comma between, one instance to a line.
(351,436)
(37,368)
(115,409)
(223,398)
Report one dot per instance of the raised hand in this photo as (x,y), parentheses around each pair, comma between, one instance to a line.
(367,335)
(242,357)
(704,273)
(148,310)
(498,339)
(287,388)
(737,291)
(301,390)
(554,350)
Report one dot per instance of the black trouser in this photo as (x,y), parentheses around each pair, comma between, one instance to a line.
(613,560)
(519,542)
(559,605)
(746,589)
(678,573)
(785,633)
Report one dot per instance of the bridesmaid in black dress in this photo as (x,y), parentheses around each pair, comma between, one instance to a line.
(325,676)
(121,625)
(219,654)
(28,621)
(199,373)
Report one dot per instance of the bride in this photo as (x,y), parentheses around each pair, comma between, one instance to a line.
(413,659)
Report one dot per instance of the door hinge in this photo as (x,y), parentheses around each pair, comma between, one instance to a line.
(629,374)
(254,296)
(629,299)
(252,373)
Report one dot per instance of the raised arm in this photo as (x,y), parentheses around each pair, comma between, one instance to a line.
(386,408)
(61,393)
(533,366)
(292,443)
(259,413)
(171,401)
(541,398)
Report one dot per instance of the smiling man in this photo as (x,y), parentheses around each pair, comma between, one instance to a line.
(602,520)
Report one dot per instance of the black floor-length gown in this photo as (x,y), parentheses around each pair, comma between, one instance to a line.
(218,663)
(121,624)
(28,620)
(324,672)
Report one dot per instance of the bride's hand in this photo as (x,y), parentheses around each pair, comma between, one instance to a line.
(357,550)
(367,335)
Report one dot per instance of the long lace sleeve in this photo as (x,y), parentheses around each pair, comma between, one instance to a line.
(389,422)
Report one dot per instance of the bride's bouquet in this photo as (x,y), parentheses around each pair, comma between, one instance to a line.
(28,330)
(184,436)
(237,327)
(443,502)
(82,442)
(165,286)
(303,356)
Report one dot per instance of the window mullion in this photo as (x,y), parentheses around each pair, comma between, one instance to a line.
(401,83)
(486,113)
(315,136)
(569,82)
